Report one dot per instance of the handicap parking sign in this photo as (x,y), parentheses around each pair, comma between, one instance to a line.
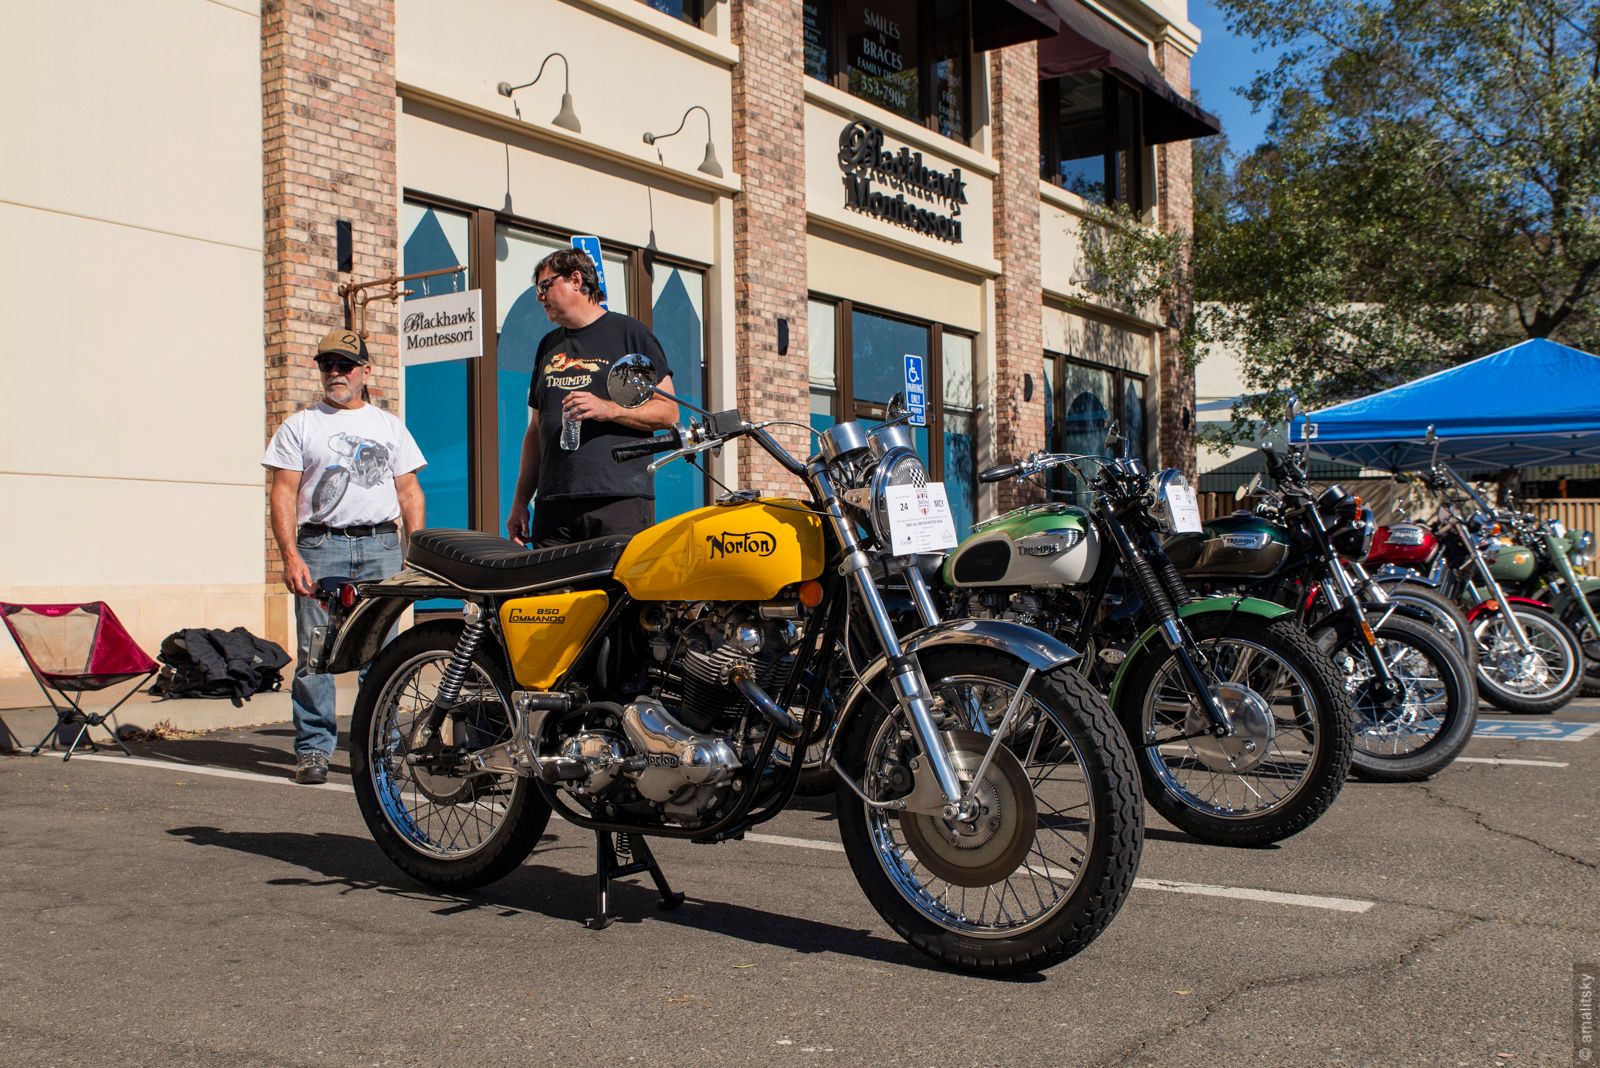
(916,395)
(1536,731)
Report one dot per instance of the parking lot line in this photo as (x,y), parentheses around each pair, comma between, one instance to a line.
(1508,760)
(1244,893)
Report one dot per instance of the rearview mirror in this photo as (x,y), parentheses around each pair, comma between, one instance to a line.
(897,410)
(632,380)
(1113,438)
(1248,488)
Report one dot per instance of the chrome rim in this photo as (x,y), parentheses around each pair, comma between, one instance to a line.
(1271,781)
(1064,826)
(445,817)
(1437,618)
(1545,670)
(1412,722)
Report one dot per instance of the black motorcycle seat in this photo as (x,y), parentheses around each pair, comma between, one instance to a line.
(485,563)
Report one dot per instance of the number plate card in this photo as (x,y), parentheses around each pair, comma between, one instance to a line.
(919,519)
(1184,507)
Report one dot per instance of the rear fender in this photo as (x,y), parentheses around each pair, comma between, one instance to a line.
(356,638)
(1034,648)
(1250,606)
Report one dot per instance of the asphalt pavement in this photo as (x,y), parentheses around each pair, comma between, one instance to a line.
(192,906)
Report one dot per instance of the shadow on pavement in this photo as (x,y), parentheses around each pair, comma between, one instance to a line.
(354,865)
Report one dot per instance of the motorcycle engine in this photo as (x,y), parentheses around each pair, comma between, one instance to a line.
(674,752)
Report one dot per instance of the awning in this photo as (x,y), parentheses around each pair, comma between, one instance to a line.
(998,23)
(1087,42)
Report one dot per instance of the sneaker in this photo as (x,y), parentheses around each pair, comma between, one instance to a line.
(311,769)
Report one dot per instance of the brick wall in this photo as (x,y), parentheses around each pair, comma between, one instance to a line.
(1175,190)
(328,148)
(769,245)
(1019,309)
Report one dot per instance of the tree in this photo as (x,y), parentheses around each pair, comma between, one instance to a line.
(1429,193)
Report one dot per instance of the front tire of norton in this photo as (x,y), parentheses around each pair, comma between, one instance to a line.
(1082,850)
(1298,774)
(1412,740)
(450,832)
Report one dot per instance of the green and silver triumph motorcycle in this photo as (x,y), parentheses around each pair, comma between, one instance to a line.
(1242,726)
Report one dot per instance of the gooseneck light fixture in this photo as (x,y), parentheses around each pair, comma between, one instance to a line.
(709,165)
(566,118)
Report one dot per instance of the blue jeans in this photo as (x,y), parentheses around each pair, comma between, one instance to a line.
(327,555)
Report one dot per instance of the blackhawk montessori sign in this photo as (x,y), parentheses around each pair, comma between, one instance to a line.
(865,161)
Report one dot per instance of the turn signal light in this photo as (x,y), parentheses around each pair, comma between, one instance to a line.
(811,593)
(1366,632)
(1491,606)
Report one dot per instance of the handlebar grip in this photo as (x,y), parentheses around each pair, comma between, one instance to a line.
(999,474)
(648,447)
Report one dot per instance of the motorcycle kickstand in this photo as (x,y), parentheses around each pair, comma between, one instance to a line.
(607,868)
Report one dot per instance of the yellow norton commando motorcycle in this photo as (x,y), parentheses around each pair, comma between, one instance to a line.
(659,685)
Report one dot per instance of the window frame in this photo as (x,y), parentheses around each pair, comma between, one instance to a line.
(927,100)
(694,12)
(483,392)
(1143,193)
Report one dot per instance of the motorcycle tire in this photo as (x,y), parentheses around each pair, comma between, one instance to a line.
(1555,640)
(1589,642)
(1432,725)
(1323,720)
(329,492)
(498,819)
(1066,724)
(1440,612)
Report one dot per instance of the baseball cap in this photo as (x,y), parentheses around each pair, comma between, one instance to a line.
(346,343)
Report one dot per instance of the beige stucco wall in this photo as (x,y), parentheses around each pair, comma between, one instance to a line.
(132,417)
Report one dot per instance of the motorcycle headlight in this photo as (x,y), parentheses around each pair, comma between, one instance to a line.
(1353,541)
(1169,480)
(899,467)
(1582,552)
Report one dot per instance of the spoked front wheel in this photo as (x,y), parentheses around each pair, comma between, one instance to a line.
(1288,756)
(440,824)
(1535,680)
(1411,735)
(1051,854)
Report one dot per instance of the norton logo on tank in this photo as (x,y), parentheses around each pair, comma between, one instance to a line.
(865,161)
(755,543)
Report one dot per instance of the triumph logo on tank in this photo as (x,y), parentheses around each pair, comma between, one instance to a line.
(446,327)
(864,160)
(756,543)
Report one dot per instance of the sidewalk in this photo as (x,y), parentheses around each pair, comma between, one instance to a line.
(25,714)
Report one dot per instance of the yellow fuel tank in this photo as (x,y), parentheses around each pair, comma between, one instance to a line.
(545,634)
(740,552)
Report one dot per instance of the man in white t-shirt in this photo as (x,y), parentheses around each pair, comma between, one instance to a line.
(343,471)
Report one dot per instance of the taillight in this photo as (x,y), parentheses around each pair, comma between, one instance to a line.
(347,595)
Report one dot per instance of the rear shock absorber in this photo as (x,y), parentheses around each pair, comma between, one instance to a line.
(461,660)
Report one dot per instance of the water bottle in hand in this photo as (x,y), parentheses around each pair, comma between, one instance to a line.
(571,430)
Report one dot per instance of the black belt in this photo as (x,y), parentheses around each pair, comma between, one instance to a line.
(349,532)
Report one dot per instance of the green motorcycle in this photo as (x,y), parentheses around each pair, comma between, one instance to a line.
(1242,725)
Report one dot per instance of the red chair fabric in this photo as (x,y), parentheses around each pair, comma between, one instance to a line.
(77,648)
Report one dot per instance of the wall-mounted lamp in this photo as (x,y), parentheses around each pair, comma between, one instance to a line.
(709,165)
(566,118)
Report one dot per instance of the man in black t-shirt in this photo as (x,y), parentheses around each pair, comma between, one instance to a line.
(584,493)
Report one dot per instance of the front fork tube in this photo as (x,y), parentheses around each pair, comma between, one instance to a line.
(1569,574)
(905,674)
(1495,592)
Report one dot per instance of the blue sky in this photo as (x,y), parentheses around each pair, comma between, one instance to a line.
(1224,64)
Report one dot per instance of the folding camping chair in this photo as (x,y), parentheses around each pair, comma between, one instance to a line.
(77,649)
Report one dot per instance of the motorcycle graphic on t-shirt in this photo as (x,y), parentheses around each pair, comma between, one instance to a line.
(367,464)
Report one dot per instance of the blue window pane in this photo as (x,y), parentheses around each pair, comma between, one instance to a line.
(677,310)
(961,470)
(879,347)
(1133,419)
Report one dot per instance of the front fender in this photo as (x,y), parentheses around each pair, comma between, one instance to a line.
(1034,648)
(1250,606)
(1521,602)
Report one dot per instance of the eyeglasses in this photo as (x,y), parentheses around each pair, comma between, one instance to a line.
(544,287)
(329,365)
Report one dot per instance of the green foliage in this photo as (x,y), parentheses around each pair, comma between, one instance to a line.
(1429,193)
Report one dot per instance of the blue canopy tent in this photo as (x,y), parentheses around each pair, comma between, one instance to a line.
(1534,404)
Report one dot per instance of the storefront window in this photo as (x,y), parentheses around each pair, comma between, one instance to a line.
(911,57)
(436,392)
(1083,404)
(821,327)
(1090,138)
(960,430)
(687,10)
(677,302)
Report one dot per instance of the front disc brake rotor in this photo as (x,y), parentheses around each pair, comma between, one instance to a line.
(991,846)
(1251,718)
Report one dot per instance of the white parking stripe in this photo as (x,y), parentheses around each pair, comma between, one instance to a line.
(1519,763)
(1311,901)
